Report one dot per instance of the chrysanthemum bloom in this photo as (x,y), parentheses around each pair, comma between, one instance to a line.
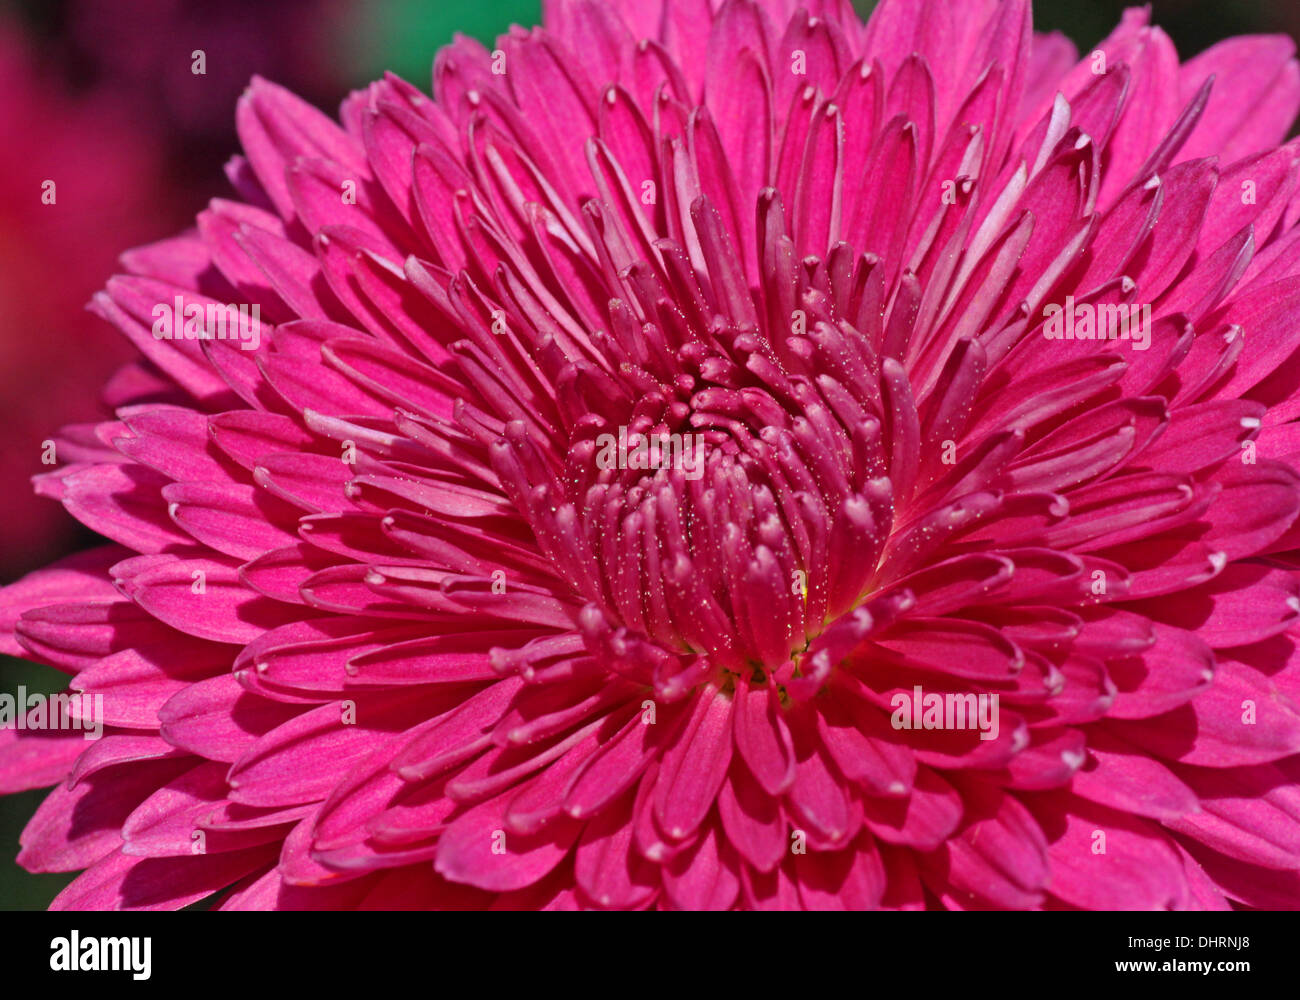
(392,617)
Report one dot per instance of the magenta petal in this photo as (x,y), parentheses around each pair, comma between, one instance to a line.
(476,850)
(694,767)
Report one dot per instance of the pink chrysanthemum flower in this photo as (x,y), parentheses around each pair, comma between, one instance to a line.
(400,613)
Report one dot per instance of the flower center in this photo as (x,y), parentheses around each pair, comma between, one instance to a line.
(727,517)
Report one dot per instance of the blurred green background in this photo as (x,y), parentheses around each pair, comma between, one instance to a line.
(359,41)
